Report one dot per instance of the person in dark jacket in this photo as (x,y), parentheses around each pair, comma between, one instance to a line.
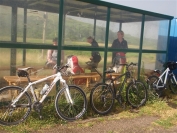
(95,55)
(120,43)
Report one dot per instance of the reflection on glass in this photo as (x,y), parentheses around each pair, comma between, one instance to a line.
(155,33)
(80,24)
(42,26)
(153,61)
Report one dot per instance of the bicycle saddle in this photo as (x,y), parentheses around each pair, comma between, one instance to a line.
(109,71)
(22,72)
(25,69)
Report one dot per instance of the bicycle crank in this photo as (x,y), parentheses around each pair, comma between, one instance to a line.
(37,106)
(120,99)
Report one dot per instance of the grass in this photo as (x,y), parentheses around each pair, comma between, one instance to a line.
(166,115)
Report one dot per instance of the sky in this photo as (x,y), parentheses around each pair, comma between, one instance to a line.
(167,7)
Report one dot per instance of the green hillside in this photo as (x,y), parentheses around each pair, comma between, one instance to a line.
(76,31)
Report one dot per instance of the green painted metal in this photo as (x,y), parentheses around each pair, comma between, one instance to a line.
(26,45)
(106,41)
(141,45)
(130,9)
(24,36)
(60,31)
(168,41)
(78,48)
(13,39)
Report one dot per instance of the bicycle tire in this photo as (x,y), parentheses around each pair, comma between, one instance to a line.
(13,115)
(172,85)
(136,94)
(71,112)
(98,102)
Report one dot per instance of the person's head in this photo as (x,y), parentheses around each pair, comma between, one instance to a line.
(120,34)
(55,41)
(89,39)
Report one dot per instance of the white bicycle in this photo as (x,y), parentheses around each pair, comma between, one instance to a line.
(16,102)
(166,79)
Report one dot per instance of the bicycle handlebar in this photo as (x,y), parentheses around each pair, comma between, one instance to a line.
(60,68)
(128,65)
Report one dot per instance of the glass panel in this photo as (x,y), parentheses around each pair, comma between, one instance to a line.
(82,20)
(20,24)
(132,33)
(130,57)
(5,23)
(151,61)
(41,26)
(129,23)
(155,33)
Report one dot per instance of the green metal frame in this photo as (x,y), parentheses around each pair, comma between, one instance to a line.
(106,41)
(168,41)
(24,45)
(141,45)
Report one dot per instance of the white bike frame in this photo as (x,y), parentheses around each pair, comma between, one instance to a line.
(56,77)
(165,73)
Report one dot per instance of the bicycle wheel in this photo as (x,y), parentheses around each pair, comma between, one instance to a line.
(13,115)
(136,94)
(153,92)
(172,85)
(102,98)
(71,111)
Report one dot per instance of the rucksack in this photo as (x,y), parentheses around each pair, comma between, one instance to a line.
(97,57)
(74,64)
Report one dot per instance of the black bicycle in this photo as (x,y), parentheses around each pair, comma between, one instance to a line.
(103,95)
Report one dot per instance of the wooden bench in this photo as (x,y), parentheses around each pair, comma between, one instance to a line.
(15,80)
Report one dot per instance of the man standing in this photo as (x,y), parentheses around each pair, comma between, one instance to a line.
(95,55)
(120,43)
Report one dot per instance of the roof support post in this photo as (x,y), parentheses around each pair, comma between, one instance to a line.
(14,40)
(24,35)
(141,45)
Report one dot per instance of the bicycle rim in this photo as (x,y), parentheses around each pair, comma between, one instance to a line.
(102,99)
(172,85)
(136,94)
(67,110)
(13,115)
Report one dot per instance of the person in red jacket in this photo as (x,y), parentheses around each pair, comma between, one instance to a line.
(120,43)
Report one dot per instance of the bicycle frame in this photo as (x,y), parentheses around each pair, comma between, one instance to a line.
(121,88)
(56,77)
(166,74)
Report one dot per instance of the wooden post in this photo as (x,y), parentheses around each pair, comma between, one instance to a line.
(14,40)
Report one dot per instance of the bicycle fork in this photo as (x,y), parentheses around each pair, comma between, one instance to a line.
(67,93)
